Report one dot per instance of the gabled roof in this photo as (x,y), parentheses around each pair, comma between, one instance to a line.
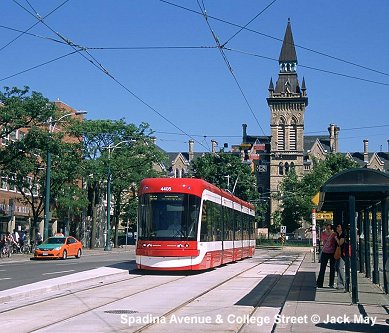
(382,157)
(309,141)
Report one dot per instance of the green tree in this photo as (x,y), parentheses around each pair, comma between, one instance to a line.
(26,167)
(296,193)
(126,151)
(23,159)
(227,171)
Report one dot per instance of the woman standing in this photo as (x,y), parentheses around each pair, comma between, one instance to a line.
(327,254)
(339,264)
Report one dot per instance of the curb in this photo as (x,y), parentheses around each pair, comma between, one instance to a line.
(79,280)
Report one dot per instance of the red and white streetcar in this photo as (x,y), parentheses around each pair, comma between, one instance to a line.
(189,224)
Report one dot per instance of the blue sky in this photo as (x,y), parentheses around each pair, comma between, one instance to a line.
(190,92)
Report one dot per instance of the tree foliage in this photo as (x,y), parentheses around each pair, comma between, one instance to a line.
(296,193)
(23,160)
(227,172)
(121,151)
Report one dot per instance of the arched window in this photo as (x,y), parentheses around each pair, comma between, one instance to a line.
(293,135)
(286,168)
(281,168)
(281,135)
(291,165)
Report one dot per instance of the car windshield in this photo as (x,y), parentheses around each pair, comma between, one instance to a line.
(55,240)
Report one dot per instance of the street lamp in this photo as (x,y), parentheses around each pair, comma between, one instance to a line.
(110,148)
(52,123)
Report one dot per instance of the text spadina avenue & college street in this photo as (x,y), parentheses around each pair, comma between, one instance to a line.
(246,319)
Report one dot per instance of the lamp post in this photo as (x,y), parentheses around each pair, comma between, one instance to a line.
(52,123)
(110,148)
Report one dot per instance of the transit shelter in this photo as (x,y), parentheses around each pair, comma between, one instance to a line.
(359,200)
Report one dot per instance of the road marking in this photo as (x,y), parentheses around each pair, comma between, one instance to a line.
(5,279)
(72,270)
(2,270)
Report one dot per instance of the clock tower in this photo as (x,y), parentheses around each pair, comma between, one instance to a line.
(287,102)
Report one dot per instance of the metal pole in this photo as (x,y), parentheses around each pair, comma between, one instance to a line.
(314,233)
(47,197)
(353,240)
(366,232)
(385,241)
(108,240)
(375,274)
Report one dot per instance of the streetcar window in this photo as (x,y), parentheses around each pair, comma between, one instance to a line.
(168,216)
(211,222)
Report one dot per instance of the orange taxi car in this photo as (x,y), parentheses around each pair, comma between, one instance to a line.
(59,247)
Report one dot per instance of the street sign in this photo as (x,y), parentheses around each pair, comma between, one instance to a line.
(283,229)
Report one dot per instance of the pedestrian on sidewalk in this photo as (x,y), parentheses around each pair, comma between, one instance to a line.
(339,264)
(327,254)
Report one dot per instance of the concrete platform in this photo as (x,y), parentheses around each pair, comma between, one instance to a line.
(328,309)
(276,296)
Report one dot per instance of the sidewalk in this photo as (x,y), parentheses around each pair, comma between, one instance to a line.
(326,309)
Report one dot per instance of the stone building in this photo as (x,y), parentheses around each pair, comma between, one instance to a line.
(287,147)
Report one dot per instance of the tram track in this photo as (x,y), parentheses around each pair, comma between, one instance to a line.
(117,284)
(191,300)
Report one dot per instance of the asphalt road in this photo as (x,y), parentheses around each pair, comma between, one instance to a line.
(22,271)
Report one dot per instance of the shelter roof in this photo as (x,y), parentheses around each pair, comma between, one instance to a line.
(367,185)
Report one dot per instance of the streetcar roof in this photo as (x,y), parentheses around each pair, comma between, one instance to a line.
(194,186)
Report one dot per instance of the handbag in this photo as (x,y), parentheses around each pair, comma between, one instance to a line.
(337,253)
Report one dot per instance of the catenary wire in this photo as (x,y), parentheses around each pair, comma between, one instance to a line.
(24,32)
(310,67)
(78,48)
(40,65)
(246,25)
(220,48)
(156,47)
(33,35)
(277,39)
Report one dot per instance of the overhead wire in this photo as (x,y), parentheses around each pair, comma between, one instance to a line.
(275,38)
(40,65)
(24,32)
(93,61)
(246,25)
(68,42)
(312,68)
(33,35)
(220,48)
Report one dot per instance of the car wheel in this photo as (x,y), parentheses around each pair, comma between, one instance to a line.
(64,255)
(78,254)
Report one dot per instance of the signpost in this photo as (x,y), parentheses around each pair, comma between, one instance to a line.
(283,233)
(314,233)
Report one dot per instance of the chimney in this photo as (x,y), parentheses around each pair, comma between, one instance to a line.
(334,136)
(336,131)
(214,144)
(244,132)
(154,140)
(365,150)
(191,144)
(331,129)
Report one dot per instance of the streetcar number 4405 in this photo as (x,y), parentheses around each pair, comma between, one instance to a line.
(166,188)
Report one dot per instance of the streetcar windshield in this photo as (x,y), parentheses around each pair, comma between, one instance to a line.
(168,216)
